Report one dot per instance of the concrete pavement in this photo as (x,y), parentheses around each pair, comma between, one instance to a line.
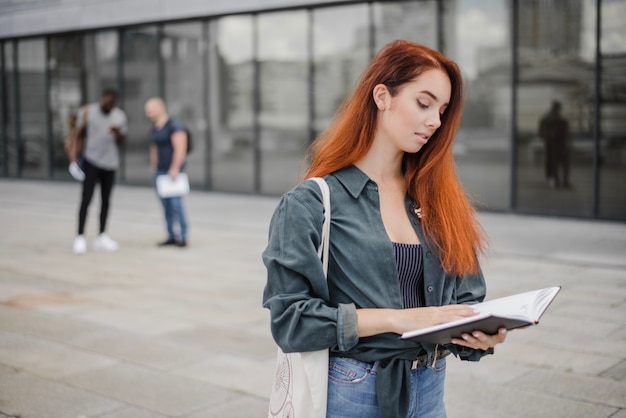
(169,332)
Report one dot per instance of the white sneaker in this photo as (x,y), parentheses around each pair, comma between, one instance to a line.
(105,243)
(80,245)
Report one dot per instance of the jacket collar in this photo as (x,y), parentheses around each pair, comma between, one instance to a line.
(353,179)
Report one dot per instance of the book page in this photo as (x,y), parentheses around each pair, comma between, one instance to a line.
(527,305)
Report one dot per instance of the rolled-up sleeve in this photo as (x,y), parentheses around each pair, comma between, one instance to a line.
(348,335)
(296,291)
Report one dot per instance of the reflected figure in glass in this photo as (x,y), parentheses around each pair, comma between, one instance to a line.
(554,132)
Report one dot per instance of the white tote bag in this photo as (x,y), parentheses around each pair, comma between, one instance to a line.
(300,385)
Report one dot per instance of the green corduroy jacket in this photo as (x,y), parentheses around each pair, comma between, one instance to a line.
(309,313)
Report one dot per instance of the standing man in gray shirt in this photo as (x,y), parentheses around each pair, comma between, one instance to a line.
(105,127)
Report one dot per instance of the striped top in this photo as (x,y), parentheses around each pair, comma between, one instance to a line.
(410,273)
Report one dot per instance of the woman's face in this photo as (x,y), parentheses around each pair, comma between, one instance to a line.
(411,117)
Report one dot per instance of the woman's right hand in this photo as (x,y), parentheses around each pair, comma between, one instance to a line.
(416,318)
(380,321)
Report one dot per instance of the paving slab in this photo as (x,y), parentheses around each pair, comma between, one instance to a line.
(617,372)
(24,395)
(472,400)
(215,369)
(169,332)
(620,414)
(150,352)
(242,406)
(584,388)
(47,359)
(164,393)
(131,412)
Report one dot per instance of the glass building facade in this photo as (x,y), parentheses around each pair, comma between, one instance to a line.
(255,88)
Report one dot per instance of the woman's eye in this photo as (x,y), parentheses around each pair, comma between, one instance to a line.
(422,105)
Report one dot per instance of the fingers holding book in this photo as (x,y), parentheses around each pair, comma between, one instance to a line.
(480,341)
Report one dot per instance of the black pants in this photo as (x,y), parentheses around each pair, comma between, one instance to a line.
(93,175)
(557,163)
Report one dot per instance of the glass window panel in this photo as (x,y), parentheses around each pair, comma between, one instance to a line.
(101,55)
(101,61)
(284,100)
(411,20)
(555,65)
(613,111)
(3,131)
(33,149)
(64,65)
(477,38)
(231,103)
(140,68)
(183,53)
(10,111)
(340,53)
(613,35)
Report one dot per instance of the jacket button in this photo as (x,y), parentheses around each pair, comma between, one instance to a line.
(429,254)
(430,288)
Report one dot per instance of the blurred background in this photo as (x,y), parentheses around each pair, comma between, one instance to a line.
(255,81)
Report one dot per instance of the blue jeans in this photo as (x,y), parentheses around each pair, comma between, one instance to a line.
(352,390)
(173,210)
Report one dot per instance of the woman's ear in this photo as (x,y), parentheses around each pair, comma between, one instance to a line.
(381,96)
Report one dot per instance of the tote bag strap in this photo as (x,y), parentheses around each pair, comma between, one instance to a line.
(322,251)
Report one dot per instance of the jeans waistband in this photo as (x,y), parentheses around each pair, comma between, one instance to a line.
(423,360)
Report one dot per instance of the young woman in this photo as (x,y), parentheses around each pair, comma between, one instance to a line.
(404,242)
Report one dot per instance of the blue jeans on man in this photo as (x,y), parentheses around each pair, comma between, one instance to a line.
(174,214)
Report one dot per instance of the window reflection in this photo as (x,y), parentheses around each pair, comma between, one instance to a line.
(65,56)
(415,21)
(101,60)
(340,52)
(140,82)
(613,111)
(183,52)
(613,36)
(101,52)
(11,144)
(283,113)
(255,89)
(3,115)
(555,66)
(231,107)
(33,150)
(480,44)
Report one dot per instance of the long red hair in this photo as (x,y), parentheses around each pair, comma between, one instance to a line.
(448,219)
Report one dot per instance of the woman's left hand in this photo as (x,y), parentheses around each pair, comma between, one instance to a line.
(481,341)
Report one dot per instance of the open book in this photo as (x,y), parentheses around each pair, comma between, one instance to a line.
(509,312)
